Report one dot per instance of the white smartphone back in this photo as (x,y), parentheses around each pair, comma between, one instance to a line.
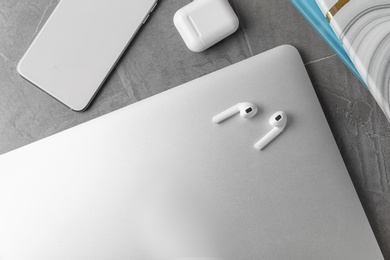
(80,44)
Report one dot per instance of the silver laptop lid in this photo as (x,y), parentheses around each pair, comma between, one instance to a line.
(159,179)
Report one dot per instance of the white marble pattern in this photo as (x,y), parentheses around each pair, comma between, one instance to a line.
(364,29)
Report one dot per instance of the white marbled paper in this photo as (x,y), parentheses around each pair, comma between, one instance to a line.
(363,27)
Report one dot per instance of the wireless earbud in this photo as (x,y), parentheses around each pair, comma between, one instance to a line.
(278,121)
(247,110)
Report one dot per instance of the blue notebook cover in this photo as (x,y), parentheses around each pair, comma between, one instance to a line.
(312,13)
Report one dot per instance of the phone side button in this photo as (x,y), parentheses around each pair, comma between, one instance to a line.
(145,19)
(154,6)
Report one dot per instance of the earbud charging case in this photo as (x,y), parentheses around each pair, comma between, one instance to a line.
(203,23)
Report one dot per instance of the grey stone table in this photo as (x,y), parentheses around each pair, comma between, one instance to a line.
(158,60)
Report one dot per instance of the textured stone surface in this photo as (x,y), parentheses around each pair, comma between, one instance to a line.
(158,60)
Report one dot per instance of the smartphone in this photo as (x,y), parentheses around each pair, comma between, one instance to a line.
(79,45)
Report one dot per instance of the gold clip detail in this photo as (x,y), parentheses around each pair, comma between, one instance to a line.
(337,7)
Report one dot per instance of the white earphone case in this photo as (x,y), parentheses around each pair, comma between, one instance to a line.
(203,23)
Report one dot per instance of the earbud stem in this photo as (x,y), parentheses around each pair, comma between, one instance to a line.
(268,138)
(225,114)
